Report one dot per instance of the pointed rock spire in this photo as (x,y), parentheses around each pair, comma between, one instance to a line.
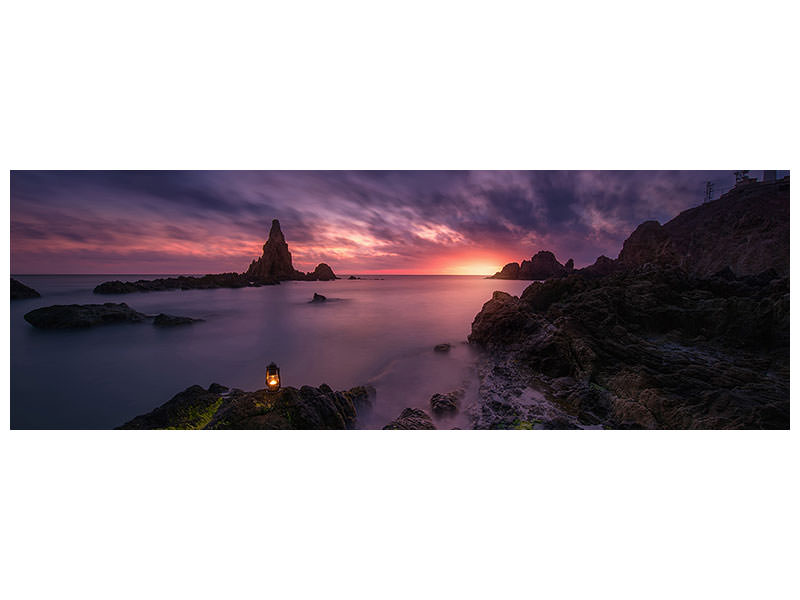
(275,263)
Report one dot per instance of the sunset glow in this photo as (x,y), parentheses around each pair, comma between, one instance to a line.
(469,222)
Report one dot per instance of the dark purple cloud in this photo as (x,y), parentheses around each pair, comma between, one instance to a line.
(394,221)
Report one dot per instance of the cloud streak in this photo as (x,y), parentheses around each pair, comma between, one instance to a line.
(359,222)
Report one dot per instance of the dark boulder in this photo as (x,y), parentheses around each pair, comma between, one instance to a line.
(318,298)
(68,316)
(322,273)
(163,320)
(412,418)
(446,404)
(20,291)
(441,348)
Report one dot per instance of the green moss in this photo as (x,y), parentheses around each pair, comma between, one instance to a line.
(197,417)
(519,424)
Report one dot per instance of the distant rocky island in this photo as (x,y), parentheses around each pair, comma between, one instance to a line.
(687,328)
(543,265)
(272,267)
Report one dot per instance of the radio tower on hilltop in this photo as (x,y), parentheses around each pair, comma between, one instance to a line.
(709,191)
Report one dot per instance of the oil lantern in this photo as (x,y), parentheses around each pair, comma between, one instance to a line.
(273,378)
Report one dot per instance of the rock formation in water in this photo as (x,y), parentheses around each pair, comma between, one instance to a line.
(289,408)
(184,282)
(69,316)
(275,263)
(446,404)
(412,418)
(273,266)
(20,291)
(163,320)
(543,265)
(688,328)
(79,316)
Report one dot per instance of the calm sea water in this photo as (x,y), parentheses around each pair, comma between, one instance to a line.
(378,332)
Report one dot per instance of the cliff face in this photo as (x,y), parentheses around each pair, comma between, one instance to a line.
(746,229)
(688,328)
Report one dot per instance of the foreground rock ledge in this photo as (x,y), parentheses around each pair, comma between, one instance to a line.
(221,408)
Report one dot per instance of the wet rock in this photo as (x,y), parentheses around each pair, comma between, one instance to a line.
(441,348)
(679,332)
(318,298)
(446,404)
(69,316)
(164,320)
(289,408)
(20,291)
(412,418)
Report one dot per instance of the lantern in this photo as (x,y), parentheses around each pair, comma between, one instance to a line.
(273,378)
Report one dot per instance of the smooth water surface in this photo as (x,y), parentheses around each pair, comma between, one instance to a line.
(371,331)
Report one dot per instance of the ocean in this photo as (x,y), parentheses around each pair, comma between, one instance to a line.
(379,332)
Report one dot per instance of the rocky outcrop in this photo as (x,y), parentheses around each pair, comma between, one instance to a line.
(272,267)
(655,349)
(79,316)
(543,265)
(20,291)
(318,298)
(206,282)
(681,331)
(163,320)
(275,263)
(412,418)
(745,230)
(509,271)
(289,408)
(70,316)
(446,404)
(648,244)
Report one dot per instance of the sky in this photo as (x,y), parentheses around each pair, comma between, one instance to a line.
(359,222)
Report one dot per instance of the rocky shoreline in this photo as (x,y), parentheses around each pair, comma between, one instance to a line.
(219,407)
(657,338)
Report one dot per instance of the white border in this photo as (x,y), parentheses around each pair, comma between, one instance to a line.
(434,85)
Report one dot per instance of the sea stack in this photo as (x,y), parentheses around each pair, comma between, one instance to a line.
(276,261)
